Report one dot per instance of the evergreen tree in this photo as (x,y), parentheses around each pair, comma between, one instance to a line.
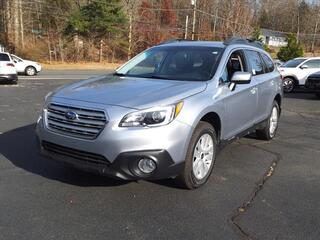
(292,50)
(97,19)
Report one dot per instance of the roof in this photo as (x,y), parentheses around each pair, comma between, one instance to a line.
(273,33)
(179,43)
(229,42)
(308,58)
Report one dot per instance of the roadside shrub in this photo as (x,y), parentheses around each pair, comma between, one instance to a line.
(292,50)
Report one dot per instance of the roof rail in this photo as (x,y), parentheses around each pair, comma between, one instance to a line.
(175,40)
(236,40)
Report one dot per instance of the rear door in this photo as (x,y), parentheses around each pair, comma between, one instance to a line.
(313,66)
(267,86)
(259,81)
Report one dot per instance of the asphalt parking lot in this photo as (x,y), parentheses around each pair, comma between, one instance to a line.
(259,190)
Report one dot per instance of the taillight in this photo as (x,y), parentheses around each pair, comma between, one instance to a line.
(10,65)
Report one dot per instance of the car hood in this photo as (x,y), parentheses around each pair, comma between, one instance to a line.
(137,93)
(29,62)
(315,75)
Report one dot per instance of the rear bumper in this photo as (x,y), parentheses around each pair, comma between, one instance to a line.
(8,77)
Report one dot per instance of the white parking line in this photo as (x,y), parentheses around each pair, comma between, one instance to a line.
(52,78)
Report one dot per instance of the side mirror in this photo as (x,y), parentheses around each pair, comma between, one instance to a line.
(241,78)
(304,67)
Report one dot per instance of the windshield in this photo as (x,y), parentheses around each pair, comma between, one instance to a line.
(174,63)
(293,63)
(15,58)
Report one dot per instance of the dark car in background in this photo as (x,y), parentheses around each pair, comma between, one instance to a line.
(313,83)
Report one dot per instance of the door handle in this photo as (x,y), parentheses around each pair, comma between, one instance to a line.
(253,90)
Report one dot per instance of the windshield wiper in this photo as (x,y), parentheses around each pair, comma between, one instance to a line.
(159,77)
(119,74)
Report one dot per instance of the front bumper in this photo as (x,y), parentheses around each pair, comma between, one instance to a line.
(38,68)
(9,78)
(313,85)
(123,167)
(122,149)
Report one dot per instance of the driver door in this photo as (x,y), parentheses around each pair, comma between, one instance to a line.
(241,102)
(19,64)
(312,66)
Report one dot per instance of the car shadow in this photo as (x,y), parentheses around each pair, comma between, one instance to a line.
(21,148)
(301,94)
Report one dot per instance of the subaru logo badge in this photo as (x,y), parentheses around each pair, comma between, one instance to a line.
(70,115)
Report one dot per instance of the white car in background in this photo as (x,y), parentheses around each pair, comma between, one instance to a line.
(27,67)
(8,72)
(296,71)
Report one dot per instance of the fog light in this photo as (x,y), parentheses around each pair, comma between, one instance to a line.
(147,165)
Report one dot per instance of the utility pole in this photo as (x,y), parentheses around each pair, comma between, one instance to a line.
(215,21)
(298,31)
(194,4)
(16,24)
(21,24)
(186,27)
(130,35)
(315,32)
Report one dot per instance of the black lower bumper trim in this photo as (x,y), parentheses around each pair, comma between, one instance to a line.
(9,78)
(125,166)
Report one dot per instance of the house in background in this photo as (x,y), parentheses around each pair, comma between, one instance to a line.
(273,38)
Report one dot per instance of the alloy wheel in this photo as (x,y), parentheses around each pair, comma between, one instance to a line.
(274,117)
(203,156)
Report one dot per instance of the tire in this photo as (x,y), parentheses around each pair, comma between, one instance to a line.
(318,95)
(288,85)
(30,71)
(270,130)
(196,175)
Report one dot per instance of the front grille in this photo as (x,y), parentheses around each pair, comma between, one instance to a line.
(87,125)
(74,153)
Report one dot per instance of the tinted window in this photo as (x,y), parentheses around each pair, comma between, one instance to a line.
(293,63)
(269,63)
(257,66)
(4,57)
(176,63)
(313,64)
(235,63)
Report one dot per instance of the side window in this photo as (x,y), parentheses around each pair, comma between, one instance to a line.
(234,64)
(313,63)
(257,66)
(269,63)
(4,57)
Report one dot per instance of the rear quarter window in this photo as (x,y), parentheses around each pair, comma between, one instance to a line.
(269,63)
(4,57)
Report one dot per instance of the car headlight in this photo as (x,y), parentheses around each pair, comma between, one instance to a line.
(152,117)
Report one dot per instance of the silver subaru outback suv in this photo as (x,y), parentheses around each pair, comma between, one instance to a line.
(165,113)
